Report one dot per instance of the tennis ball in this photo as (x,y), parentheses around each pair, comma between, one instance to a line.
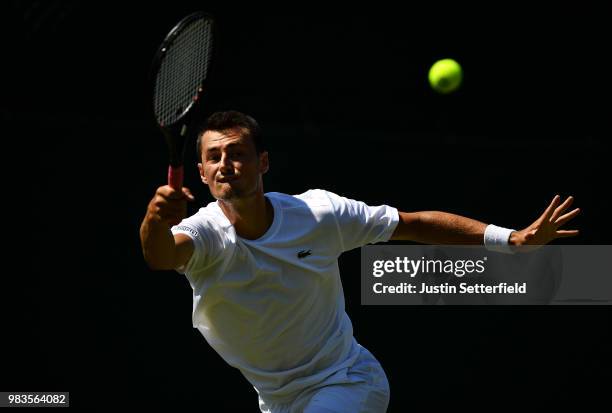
(445,76)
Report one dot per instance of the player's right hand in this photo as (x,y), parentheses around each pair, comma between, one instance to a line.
(169,206)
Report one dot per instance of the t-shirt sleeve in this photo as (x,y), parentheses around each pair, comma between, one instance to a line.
(360,224)
(200,232)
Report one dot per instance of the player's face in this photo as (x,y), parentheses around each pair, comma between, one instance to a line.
(230,165)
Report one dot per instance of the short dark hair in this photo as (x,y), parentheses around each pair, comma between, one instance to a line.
(224,121)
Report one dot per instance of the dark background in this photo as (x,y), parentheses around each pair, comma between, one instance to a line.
(344,102)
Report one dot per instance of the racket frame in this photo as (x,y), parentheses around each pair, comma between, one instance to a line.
(177,133)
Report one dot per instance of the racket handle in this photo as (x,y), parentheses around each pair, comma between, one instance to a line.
(175,177)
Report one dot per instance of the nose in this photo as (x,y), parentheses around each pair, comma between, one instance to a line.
(226,164)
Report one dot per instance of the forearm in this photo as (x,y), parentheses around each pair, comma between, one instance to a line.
(441,228)
(158,245)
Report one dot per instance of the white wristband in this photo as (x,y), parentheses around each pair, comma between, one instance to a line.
(496,239)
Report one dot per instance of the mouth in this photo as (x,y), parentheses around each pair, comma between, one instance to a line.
(227,179)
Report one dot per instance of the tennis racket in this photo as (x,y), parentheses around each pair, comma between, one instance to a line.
(179,73)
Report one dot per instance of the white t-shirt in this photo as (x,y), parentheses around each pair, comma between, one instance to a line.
(274,307)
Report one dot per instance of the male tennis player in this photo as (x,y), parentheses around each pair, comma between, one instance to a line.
(267,294)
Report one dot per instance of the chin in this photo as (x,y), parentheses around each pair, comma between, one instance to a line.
(230,193)
(224,195)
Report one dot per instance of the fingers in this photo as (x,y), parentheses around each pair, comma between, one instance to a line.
(170,205)
(171,209)
(564,218)
(168,210)
(188,194)
(168,192)
(559,210)
(567,233)
(551,208)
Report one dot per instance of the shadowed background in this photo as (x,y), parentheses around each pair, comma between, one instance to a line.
(344,103)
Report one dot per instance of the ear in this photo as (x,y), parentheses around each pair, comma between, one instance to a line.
(264,162)
(202,176)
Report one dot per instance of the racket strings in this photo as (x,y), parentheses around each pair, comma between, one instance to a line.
(182,71)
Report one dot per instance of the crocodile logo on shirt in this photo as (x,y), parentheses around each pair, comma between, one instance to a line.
(304,254)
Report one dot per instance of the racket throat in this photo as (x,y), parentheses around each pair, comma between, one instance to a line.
(176,139)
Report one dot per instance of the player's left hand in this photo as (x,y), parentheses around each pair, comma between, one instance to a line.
(546,228)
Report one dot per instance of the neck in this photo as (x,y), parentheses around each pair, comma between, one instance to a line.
(251,217)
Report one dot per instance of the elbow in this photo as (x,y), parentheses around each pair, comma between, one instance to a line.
(407,226)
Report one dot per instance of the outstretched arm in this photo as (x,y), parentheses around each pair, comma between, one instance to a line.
(442,228)
(161,249)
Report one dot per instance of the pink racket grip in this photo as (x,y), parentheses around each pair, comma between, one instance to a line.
(175,177)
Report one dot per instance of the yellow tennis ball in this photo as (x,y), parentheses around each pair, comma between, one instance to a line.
(445,76)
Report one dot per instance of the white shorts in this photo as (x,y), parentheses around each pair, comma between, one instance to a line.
(366,391)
